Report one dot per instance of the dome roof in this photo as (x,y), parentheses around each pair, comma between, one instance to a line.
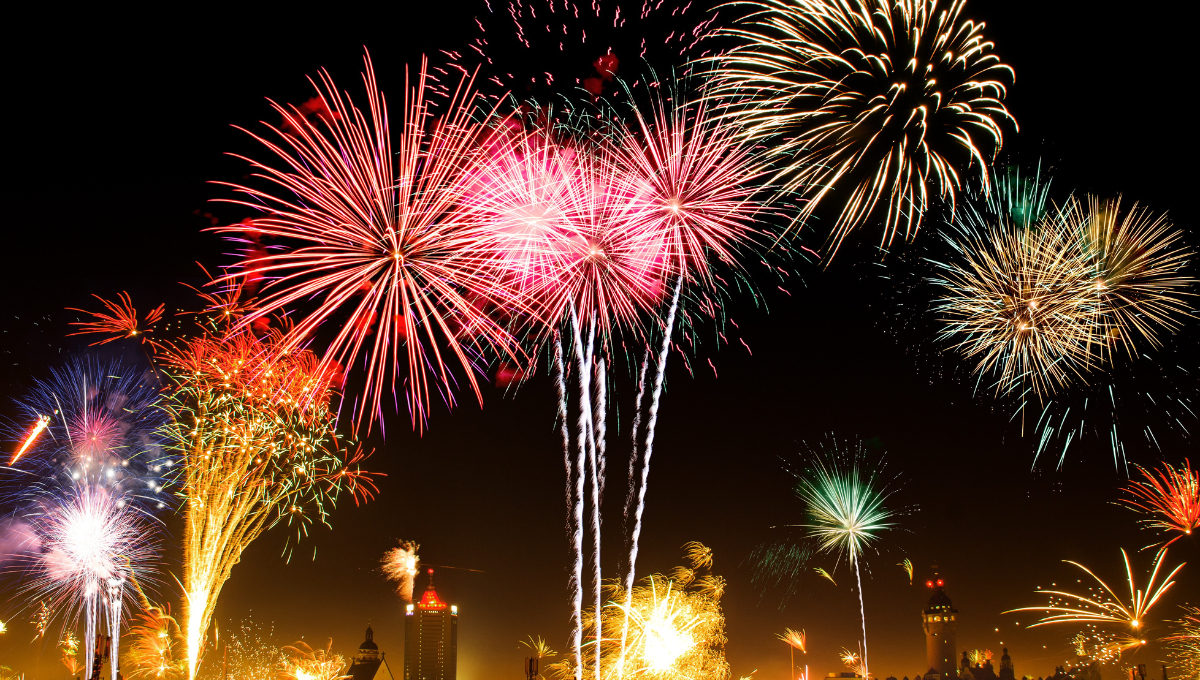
(939,599)
(369,643)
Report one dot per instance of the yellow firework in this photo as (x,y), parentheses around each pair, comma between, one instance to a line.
(824,574)
(400,565)
(251,422)
(156,648)
(796,639)
(1012,301)
(1039,298)
(1101,604)
(539,647)
(1183,645)
(907,566)
(876,106)
(1135,260)
(675,632)
(305,663)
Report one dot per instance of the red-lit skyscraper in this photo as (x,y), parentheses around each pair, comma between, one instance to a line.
(431,638)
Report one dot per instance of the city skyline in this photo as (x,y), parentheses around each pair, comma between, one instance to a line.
(134,125)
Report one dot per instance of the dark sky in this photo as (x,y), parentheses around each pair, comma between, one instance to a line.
(118,121)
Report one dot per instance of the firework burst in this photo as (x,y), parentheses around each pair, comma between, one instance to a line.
(400,564)
(305,663)
(1169,497)
(120,321)
(155,648)
(1102,605)
(90,542)
(368,225)
(875,106)
(1043,297)
(251,422)
(675,632)
(100,425)
(1183,645)
(846,512)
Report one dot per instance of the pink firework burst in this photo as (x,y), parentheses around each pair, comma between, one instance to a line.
(563,235)
(371,240)
(689,177)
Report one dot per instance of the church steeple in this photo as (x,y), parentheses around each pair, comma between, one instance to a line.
(368,651)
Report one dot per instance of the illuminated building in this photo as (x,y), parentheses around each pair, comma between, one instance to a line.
(430,638)
(940,620)
(369,663)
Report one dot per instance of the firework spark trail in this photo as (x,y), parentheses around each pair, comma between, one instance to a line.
(870,105)
(400,565)
(1109,608)
(564,426)
(39,425)
(120,321)
(384,241)
(1169,497)
(635,439)
(640,508)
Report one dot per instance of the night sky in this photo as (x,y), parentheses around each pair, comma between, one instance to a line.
(119,121)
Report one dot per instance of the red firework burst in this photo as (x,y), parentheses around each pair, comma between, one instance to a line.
(371,241)
(121,321)
(1170,498)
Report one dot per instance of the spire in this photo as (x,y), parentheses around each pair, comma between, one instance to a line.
(430,600)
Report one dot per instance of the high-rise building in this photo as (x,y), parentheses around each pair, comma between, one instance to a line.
(430,638)
(939,620)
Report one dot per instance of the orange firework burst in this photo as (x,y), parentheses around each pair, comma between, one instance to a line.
(121,321)
(1170,498)
(400,565)
(367,226)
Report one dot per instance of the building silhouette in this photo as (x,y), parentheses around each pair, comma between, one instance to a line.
(940,620)
(369,663)
(430,638)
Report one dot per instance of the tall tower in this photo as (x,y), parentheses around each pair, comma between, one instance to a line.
(940,622)
(431,638)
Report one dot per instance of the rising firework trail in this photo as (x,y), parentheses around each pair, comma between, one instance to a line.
(875,108)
